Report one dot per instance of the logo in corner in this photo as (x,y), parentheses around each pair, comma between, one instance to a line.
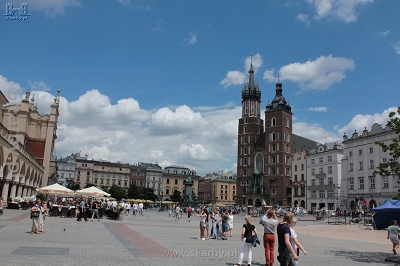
(11,13)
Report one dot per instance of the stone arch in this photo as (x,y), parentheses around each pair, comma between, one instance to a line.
(250,202)
(372,204)
(303,204)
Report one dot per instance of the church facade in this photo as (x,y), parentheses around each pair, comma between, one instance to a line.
(265,153)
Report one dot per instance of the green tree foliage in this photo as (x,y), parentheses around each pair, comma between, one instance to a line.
(89,185)
(41,196)
(134,192)
(176,196)
(117,192)
(392,165)
(71,184)
(146,193)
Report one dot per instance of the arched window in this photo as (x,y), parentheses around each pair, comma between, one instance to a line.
(245,150)
(245,119)
(245,129)
(273,122)
(287,122)
(260,162)
(245,161)
(273,147)
(273,159)
(273,136)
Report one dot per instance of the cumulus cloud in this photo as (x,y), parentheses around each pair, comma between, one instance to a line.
(236,77)
(303,18)
(319,74)
(397,48)
(318,109)
(39,85)
(342,10)
(314,132)
(12,90)
(192,39)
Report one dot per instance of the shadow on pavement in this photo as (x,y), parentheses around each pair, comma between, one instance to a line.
(367,257)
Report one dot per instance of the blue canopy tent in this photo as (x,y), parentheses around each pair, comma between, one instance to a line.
(388,211)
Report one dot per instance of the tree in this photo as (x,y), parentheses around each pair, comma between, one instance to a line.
(176,196)
(392,165)
(117,192)
(71,184)
(89,185)
(133,192)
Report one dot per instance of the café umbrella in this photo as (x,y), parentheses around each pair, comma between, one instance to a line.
(55,189)
(92,191)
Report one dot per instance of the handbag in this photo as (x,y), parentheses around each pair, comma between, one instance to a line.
(35,214)
(249,236)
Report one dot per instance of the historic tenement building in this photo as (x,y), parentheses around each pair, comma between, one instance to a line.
(26,145)
(174,178)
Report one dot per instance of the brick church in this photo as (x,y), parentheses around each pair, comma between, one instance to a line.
(265,150)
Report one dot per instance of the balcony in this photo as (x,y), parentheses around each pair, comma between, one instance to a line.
(321,175)
(322,187)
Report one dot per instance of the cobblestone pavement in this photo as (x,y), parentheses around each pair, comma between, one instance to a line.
(156,239)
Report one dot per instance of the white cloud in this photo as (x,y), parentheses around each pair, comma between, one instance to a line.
(303,18)
(318,109)
(12,90)
(342,10)
(384,33)
(314,132)
(235,77)
(319,74)
(397,48)
(192,39)
(39,85)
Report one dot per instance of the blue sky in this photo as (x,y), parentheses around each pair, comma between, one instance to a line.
(160,81)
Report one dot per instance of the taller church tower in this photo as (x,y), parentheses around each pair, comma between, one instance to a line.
(264,157)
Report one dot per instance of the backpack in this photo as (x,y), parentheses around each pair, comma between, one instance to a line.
(249,236)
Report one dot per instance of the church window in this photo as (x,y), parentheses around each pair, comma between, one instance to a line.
(273,147)
(245,120)
(273,159)
(249,141)
(274,136)
(273,122)
(245,130)
(287,122)
(245,150)
(258,129)
(245,161)
(260,162)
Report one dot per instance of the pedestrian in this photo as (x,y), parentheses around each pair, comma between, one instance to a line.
(35,214)
(207,222)
(294,241)
(270,222)
(189,211)
(224,224)
(287,255)
(95,209)
(230,222)
(135,208)
(393,235)
(203,225)
(215,224)
(1,206)
(140,207)
(43,210)
(177,213)
(248,231)
(82,210)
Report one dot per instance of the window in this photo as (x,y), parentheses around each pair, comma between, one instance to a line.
(329,169)
(176,181)
(273,122)
(361,183)
(361,165)
(360,152)
(350,154)
(330,180)
(312,172)
(321,159)
(302,167)
(384,160)
(331,194)
(295,167)
(322,194)
(321,170)
(350,167)
(371,150)
(295,177)
(95,180)
(322,182)
(302,177)
(372,182)
(313,182)
(351,184)
(167,180)
(330,158)
(313,194)
(312,161)
(385,182)
(222,192)
(371,164)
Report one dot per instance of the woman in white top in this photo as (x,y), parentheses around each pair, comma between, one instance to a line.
(294,241)
(393,235)
(230,222)
(203,224)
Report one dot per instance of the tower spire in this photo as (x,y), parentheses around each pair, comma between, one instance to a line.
(251,73)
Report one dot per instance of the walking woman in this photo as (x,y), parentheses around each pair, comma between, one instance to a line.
(393,235)
(42,216)
(230,222)
(35,214)
(248,228)
(203,224)
(294,241)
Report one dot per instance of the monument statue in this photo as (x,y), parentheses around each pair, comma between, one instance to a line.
(188,179)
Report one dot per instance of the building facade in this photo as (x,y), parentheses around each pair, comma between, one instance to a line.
(324,169)
(223,189)
(26,144)
(66,169)
(264,155)
(174,178)
(106,174)
(138,175)
(361,157)
(154,177)
(299,181)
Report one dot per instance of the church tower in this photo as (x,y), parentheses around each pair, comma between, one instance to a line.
(250,131)
(278,150)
